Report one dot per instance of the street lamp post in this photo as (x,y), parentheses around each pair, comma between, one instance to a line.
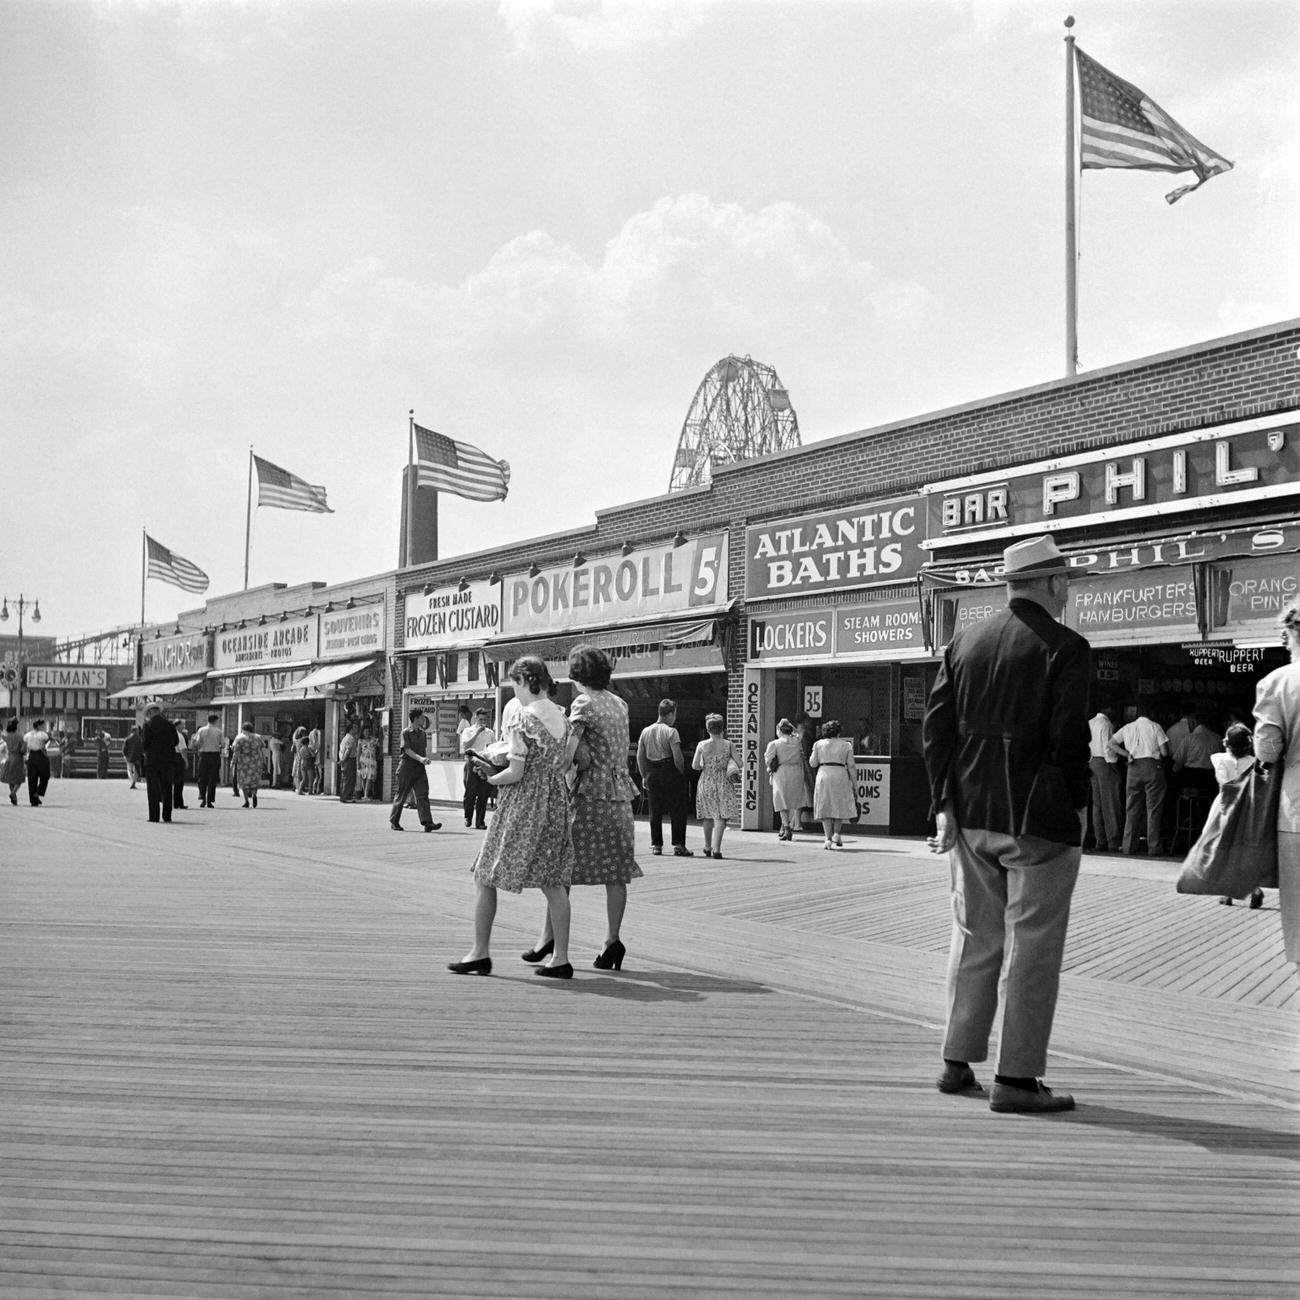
(20,605)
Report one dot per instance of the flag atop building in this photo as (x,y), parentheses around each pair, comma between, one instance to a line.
(1121,126)
(458,467)
(277,487)
(167,566)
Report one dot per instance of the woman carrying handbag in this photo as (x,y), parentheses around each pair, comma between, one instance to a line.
(717,797)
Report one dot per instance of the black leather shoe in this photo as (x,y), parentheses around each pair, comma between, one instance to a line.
(611,958)
(1256,900)
(483,966)
(955,1079)
(480,826)
(396,827)
(534,955)
(1007,1100)
(433,826)
(564,972)
(681,851)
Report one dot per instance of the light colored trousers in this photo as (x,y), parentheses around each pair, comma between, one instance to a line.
(1107,803)
(1011,906)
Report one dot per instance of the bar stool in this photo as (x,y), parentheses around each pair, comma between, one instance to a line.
(1189,818)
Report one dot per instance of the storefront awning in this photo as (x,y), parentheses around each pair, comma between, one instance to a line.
(261,668)
(622,641)
(144,690)
(330,673)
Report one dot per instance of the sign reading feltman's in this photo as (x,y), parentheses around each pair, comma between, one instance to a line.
(860,546)
(1251,460)
(66,677)
(447,616)
(270,644)
(646,583)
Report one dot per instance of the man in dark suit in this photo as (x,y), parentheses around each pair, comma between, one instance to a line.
(1006,749)
(158,740)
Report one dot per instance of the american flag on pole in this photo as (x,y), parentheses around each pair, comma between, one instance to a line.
(277,487)
(1121,126)
(458,467)
(167,566)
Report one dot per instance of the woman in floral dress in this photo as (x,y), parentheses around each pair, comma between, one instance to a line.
(604,838)
(716,797)
(368,763)
(248,757)
(528,844)
(12,774)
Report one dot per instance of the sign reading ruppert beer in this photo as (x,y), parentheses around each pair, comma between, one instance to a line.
(650,582)
(860,546)
(348,632)
(1250,460)
(448,617)
(268,644)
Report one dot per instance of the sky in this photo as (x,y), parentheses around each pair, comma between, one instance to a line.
(539,224)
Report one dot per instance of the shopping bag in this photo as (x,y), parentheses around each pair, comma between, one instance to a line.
(1237,851)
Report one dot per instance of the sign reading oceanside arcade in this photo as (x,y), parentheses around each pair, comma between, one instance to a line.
(650,582)
(1249,460)
(266,644)
(859,546)
(448,616)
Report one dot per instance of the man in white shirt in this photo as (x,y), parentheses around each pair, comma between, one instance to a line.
(208,744)
(1107,798)
(348,764)
(474,739)
(35,743)
(662,765)
(1145,745)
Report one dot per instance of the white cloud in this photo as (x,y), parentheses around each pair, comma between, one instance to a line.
(597,26)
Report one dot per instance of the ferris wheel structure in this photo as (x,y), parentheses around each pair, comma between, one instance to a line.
(740,410)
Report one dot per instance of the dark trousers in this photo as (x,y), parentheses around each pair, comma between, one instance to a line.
(178,783)
(477,790)
(667,791)
(159,785)
(412,779)
(348,780)
(38,775)
(209,777)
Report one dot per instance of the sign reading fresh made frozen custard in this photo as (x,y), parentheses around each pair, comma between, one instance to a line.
(448,616)
(270,643)
(646,583)
(859,546)
(348,632)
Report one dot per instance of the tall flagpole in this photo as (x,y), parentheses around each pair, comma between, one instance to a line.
(1071,241)
(410,489)
(248,515)
(144,569)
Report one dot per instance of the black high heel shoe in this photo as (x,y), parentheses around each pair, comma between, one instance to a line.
(482,966)
(611,958)
(534,955)
(564,972)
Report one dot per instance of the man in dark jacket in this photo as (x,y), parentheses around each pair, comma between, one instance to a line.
(158,740)
(1006,750)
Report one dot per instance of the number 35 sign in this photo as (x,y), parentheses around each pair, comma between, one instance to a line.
(812,701)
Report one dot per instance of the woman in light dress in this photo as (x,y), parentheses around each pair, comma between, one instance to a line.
(304,762)
(248,758)
(528,843)
(833,799)
(368,763)
(783,759)
(716,798)
(604,834)
(12,773)
(1277,740)
(1238,758)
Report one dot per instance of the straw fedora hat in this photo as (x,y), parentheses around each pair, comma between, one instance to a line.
(1035,557)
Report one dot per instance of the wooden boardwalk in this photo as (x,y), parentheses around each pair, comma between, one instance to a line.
(233,1065)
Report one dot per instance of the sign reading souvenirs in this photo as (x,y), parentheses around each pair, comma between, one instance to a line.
(172,655)
(448,616)
(66,677)
(346,632)
(859,546)
(646,583)
(1248,460)
(270,643)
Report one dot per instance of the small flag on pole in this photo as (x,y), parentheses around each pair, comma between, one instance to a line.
(458,467)
(277,487)
(1121,126)
(167,566)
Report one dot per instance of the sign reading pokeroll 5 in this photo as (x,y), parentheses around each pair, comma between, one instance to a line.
(270,644)
(67,677)
(175,654)
(1248,460)
(646,583)
(346,632)
(448,616)
(857,546)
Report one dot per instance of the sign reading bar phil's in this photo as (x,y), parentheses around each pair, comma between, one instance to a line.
(175,654)
(856,547)
(448,616)
(655,581)
(1250,460)
(270,644)
(346,632)
(66,677)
